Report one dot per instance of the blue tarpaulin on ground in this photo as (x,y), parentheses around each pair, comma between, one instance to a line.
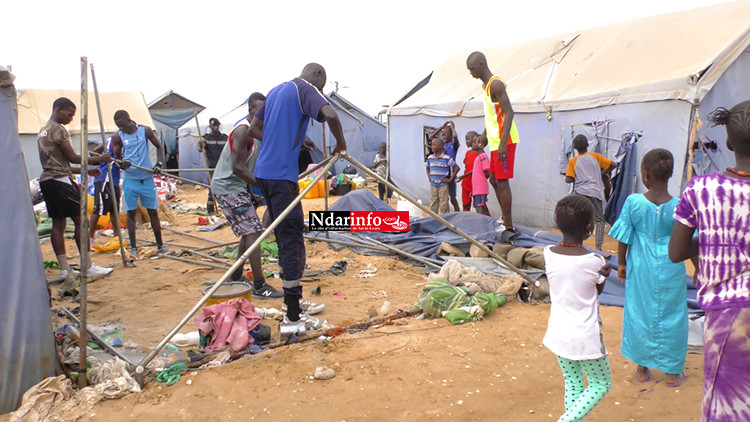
(426,234)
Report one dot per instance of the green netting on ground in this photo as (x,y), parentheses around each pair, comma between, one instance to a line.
(440,296)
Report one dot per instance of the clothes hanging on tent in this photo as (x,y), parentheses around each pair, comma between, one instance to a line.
(624,178)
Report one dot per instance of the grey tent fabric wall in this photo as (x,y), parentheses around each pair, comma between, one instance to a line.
(27,351)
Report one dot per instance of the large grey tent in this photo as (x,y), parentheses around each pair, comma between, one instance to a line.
(27,350)
(363,133)
(170,112)
(652,77)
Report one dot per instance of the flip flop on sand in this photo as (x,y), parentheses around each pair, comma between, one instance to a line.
(640,379)
(683,376)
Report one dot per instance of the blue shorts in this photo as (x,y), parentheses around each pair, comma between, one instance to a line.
(145,189)
(479,200)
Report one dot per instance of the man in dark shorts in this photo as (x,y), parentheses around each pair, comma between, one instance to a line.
(213,142)
(281,124)
(231,187)
(61,194)
(102,196)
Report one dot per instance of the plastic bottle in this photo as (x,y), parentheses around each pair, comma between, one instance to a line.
(385,308)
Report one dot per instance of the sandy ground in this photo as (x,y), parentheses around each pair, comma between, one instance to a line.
(495,369)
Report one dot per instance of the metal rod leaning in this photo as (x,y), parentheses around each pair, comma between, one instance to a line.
(365,241)
(136,166)
(205,248)
(98,339)
(207,256)
(440,219)
(405,254)
(344,243)
(195,236)
(314,169)
(237,264)
(193,261)
(186,170)
(110,179)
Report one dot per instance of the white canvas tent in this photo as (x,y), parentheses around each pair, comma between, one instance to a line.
(35,108)
(652,76)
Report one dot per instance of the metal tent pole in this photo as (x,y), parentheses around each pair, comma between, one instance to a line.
(112,192)
(84,223)
(440,219)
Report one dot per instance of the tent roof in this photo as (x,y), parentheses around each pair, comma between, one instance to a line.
(35,108)
(173,100)
(349,107)
(673,56)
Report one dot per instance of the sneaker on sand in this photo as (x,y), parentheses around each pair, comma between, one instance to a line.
(96,272)
(311,323)
(267,292)
(163,250)
(64,274)
(134,253)
(310,308)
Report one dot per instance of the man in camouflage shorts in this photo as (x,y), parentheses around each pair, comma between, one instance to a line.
(230,186)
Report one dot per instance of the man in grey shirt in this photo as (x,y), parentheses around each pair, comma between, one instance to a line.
(231,189)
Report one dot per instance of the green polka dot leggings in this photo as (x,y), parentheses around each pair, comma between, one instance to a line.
(579,401)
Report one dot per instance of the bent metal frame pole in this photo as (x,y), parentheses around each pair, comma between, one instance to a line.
(84,223)
(437,217)
(404,254)
(110,179)
(237,264)
(136,166)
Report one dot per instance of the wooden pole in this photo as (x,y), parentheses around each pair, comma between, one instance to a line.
(110,178)
(84,223)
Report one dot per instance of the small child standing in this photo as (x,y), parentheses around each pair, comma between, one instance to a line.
(481,171)
(468,166)
(655,318)
(380,165)
(585,172)
(576,278)
(717,205)
(441,170)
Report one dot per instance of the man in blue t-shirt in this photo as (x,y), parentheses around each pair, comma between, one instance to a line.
(281,124)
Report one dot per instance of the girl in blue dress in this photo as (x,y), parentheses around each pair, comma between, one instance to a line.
(655,319)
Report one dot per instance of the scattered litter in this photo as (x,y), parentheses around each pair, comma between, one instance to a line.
(219,359)
(172,374)
(379,294)
(339,294)
(338,267)
(367,272)
(324,373)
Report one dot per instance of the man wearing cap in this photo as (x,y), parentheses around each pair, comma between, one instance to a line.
(213,142)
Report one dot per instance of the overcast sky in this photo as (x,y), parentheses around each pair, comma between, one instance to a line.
(217,52)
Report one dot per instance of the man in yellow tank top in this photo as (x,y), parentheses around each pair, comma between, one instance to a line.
(500,133)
